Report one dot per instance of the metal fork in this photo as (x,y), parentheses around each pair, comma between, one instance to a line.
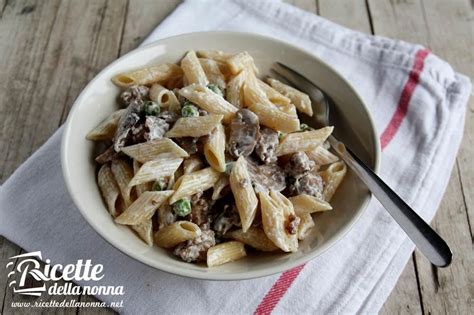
(425,238)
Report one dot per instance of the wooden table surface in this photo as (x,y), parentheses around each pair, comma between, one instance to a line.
(50,49)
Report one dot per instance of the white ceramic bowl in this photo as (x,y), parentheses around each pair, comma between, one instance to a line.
(98,100)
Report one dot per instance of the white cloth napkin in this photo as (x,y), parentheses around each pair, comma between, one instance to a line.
(418,104)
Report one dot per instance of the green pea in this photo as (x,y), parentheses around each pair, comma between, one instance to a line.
(189,111)
(182,207)
(151,108)
(216,89)
(281,134)
(305,127)
(159,185)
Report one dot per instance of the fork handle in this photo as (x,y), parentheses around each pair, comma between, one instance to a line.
(424,237)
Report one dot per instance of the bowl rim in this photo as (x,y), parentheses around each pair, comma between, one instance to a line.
(196,274)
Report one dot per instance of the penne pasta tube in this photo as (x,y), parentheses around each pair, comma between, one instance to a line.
(193,71)
(303,141)
(321,156)
(147,151)
(190,184)
(277,212)
(273,95)
(224,253)
(255,238)
(241,61)
(213,72)
(192,164)
(272,117)
(107,128)
(253,92)
(176,233)
(308,204)
(300,99)
(145,231)
(141,188)
(333,177)
(219,186)
(163,166)
(123,174)
(194,126)
(109,188)
(208,100)
(214,149)
(234,92)
(245,199)
(217,55)
(149,75)
(305,226)
(165,98)
(143,208)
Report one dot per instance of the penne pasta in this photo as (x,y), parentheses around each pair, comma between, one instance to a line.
(145,231)
(147,151)
(305,226)
(163,166)
(219,187)
(333,177)
(165,98)
(141,188)
(255,238)
(107,128)
(109,188)
(217,55)
(214,149)
(190,184)
(194,126)
(245,199)
(192,164)
(143,208)
(193,71)
(308,204)
(273,95)
(176,233)
(272,117)
(253,92)
(303,141)
(300,99)
(224,253)
(241,61)
(208,100)
(213,72)
(321,156)
(277,211)
(234,90)
(123,174)
(153,74)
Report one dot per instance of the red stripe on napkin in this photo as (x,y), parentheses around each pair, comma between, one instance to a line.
(405,98)
(286,279)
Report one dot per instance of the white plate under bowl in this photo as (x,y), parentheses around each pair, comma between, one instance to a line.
(98,100)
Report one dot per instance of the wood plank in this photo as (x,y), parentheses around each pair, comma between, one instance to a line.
(404,298)
(48,68)
(419,21)
(350,13)
(143,17)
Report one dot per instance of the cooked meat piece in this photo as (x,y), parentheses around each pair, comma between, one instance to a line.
(292,224)
(196,249)
(299,164)
(168,116)
(244,131)
(309,184)
(226,220)
(266,177)
(155,128)
(200,210)
(107,156)
(203,112)
(129,120)
(133,93)
(190,145)
(267,144)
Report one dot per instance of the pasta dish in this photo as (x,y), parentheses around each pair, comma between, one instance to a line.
(208,160)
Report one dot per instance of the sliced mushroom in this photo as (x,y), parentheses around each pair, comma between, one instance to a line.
(244,131)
